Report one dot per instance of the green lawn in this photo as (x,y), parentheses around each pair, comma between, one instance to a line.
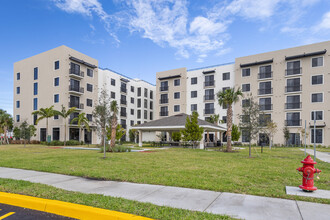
(266,174)
(105,202)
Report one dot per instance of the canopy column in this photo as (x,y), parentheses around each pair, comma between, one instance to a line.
(201,143)
(140,138)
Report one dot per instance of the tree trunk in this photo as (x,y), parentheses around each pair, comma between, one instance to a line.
(208,137)
(46,129)
(113,133)
(103,137)
(250,149)
(270,141)
(81,135)
(229,126)
(64,132)
(6,138)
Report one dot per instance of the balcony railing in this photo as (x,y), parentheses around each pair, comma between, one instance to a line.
(163,101)
(77,105)
(123,89)
(265,91)
(123,102)
(124,126)
(123,114)
(163,88)
(295,122)
(163,113)
(209,98)
(265,75)
(76,89)
(293,105)
(209,83)
(78,74)
(295,71)
(209,111)
(266,107)
(297,88)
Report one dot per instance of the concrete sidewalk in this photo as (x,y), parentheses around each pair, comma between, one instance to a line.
(324,156)
(236,205)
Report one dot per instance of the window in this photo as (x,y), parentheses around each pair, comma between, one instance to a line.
(245,72)
(264,119)
(317,79)
(246,88)
(163,98)
(265,88)
(265,72)
(89,72)
(209,108)
(138,114)
(132,100)
(293,119)
(193,94)
(56,134)
(193,107)
(138,122)
(209,80)
(145,103)
(35,104)
(193,80)
(265,104)
(294,139)
(123,87)
(151,94)
(177,82)
(245,103)
(318,136)
(317,61)
(17,118)
(57,65)
(317,97)
(145,92)
(18,76)
(132,88)
(89,117)
(293,102)
(226,76)
(56,98)
(145,114)
(123,112)
(89,102)
(113,82)
(293,68)
(151,105)
(209,94)
(35,77)
(176,95)
(113,95)
(132,122)
(176,108)
(139,103)
(57,81)
(35,117)
(151,116)
(245,136)
(139,91)
(132,111)
(55,117)
(318,114)
(123,100)
(35,89)
(89,87)
(224,119)
(164,111)
(164,86)
(17,104)
(225,88)
(293,85)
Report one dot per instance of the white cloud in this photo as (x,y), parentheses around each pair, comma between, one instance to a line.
(325,23)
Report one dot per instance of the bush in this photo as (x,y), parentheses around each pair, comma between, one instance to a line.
(117,149)
(72,143)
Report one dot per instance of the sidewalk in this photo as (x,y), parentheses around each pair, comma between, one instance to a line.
(236,205)
(324,156)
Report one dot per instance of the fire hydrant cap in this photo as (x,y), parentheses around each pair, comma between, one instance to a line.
(308,160)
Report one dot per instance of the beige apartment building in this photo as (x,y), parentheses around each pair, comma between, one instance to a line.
(61,76)
(289,85)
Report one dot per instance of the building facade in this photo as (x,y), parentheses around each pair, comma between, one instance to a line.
(290,85)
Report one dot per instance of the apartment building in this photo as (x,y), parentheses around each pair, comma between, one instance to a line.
(290,85)
(135,99)
(184,91)
(61,76)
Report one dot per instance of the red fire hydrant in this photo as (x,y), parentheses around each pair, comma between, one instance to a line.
(308,171)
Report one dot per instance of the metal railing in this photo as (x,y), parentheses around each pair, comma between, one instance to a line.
(163,88)
(295,122)
(209,111)
(123,89)
(76,89)
(123,102)
(209,83)
(75,73)
(163,113)
(208,97)
(123,114)
(293,88)
(293,105)
(266,107)
(77,105)
(265,75)
(265,91)
(294,71)
(163,101)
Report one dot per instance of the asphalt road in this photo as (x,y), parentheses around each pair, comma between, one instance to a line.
(8,212)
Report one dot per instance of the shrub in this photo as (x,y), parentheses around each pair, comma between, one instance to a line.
(34,142)
(116,149)
(72,143)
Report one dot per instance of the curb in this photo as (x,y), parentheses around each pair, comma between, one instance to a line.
(64,208)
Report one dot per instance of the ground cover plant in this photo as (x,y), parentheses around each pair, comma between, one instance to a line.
(265,174)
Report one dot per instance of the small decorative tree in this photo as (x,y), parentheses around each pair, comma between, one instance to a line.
(120,132)
(132,135)
(235,133)
(286,134)
(192,131)
(27,131)
(45,113)
(114,122)
(65,114)
(176,136)
(6,123)
(82,123)
(270,130)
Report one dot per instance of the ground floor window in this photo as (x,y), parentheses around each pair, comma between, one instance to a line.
(245,136)
(56,134)
(319,136)
(211,136)
(42,134)
(263,139)
(224,137)
(294,139)
(88,136)
(74,134)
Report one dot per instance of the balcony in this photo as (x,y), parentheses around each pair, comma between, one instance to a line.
(123,114)
(123,102)
(209,111)
(163,101)
(163,113)
(123,89)
(293,105)
(266,107)
(79,106)
(268,91)
(164,88)
(208,97)
(76,90)
(209,83)
(297,88)
(124,126)
(265,75)
(75,74)
(295,71)
(295,122)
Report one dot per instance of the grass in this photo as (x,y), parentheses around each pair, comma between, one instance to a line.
(104,202)
(265,174)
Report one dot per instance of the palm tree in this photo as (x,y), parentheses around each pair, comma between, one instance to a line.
(114,110)
(228,98)
(82,123)
(6,122)
(65,114)
(44,113)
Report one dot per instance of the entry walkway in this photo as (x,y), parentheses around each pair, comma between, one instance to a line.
(324,156)
(236,205)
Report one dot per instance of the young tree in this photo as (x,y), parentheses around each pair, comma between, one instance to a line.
(270,130)
(65,114)
(27,131)
(235,133)
(192,131)
(82,123)
(249,123)
(44,113)
(176,136)
(6,123)
(120,132)
(228,98)
(286,134)
(114,122)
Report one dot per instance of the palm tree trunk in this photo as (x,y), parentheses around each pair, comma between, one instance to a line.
(229,126)
(113,133)
(46,129)
(5,131)
(64,132)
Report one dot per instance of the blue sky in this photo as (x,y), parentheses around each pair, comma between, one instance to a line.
(141,37)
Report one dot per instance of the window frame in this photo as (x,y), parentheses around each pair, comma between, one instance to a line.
(191,80)
(246,69)
(317,93)
(58,98)
(319,83)
(317,111)
(56,61)
(55,81)
(175,82)
(312,133)
(175,106)
(179,97)
(246,84)
(225,79)
(316,58)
